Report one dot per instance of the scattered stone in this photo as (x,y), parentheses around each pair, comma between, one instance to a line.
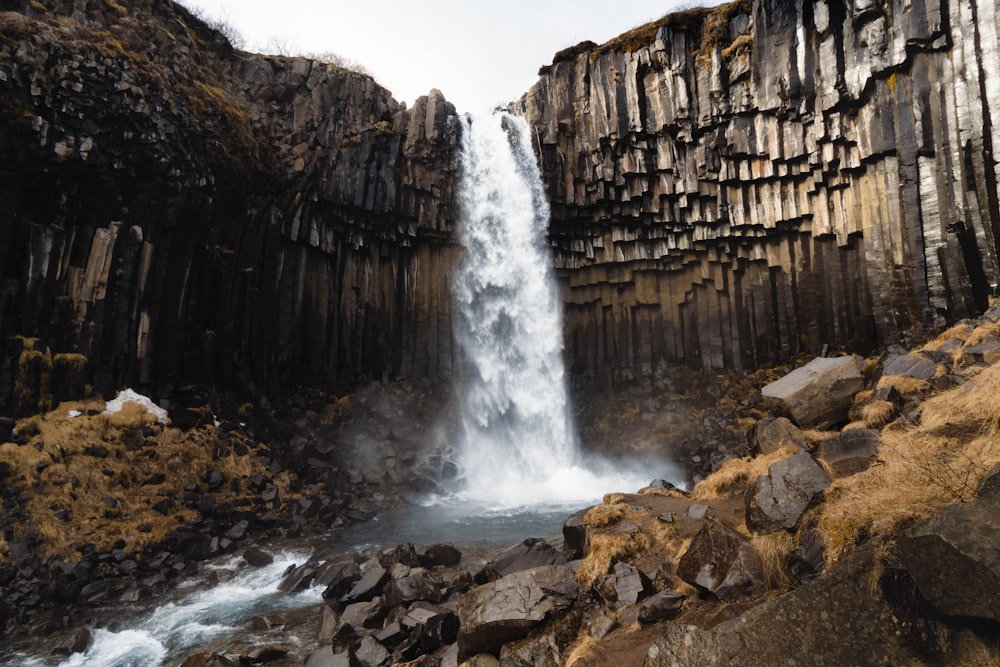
(818,394)
(369,585)
(262,654)
(255,557)
(851,451)
(909,365)
(445,555)
(776,433)
(986,351)
(370,653)
(420,584)
(506,609)
(623,587)
(697,510)
(778,499)
(526,555)
(663,606)
(722,562)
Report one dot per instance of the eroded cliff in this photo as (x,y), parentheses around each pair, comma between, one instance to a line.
(180,212)
(755,181)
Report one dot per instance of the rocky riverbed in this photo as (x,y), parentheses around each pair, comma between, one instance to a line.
(827,508)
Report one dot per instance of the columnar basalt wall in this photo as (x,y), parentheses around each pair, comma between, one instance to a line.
(180,212)
(755,181)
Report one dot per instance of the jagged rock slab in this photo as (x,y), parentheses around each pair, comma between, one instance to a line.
(833,620)
(818,394)
(777,500)
(506,609)
(850,451)
(910,365)
(722,562)
(954,557)
(774,434)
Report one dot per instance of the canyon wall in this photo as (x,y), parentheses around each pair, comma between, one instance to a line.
(175,212)
(756,181)
(729,186)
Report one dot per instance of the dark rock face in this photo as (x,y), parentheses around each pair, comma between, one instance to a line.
(722,562)
(507,609)
(833,620)
(178,211)
(759,179)
(953,556)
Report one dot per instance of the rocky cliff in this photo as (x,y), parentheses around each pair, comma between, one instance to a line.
(760,180)
(179,212)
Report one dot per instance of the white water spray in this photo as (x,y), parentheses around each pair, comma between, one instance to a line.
(518,445)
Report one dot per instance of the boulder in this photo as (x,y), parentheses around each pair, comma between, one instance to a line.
(420,584)
(818,394)
(329,623)
(531,553)
(773,434)
(664,606)
(850,451)
(255,557)
(298,577)
(575,535)
(831,621)
(954,557)
(339,577)
(778,499)
(540,651)
(909,365)
(441,554)
(325,657)
(263,654)
(430,627)
(370,653)
(623,587)
(722,562)
(508,608)
(369,585)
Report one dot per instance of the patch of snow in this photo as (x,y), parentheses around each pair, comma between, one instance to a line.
(73,413)
(130,396)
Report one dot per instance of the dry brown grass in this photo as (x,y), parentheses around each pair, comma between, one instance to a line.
(735,474)
(921,469)
(602,515)
(877,413)
(584,652)
(904,384)
(608,549)
(774,549)
(108,499)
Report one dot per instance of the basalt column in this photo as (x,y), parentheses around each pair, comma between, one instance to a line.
(756,181)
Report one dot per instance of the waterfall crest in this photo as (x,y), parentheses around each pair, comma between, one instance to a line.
(517,430)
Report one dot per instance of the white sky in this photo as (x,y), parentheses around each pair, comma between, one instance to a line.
(477,52)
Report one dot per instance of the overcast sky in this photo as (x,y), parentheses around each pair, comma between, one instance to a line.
(477,52)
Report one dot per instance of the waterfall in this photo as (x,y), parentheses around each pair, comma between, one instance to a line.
(517,430)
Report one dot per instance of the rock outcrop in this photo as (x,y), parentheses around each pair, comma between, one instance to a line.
(760,180)
(177,211)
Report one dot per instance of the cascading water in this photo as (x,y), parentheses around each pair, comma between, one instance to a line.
(517,429)
(518,445)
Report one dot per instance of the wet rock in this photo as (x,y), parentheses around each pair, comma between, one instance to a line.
(255,557)
(442,554)
(778,499)
(850,451)
(358,616)
(508,608)
(954,557)
(531,553)
(298,578)
(722,562)
(263,654)
(208,660)
(663,606)
(776,433)
(339,576)
(329,623)
(325,657)
(405,554)
(818,394)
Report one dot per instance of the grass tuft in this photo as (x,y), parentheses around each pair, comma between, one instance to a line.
(735,474)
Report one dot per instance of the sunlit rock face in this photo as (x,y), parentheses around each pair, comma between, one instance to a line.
(180,212)
(759,180)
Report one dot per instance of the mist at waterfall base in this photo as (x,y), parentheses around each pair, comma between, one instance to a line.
(518,443)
